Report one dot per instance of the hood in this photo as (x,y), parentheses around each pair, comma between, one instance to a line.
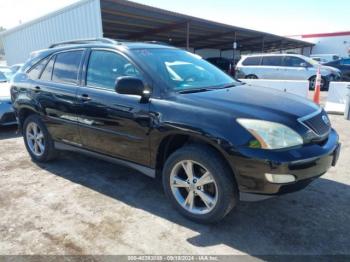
(330,69)
(252,102)
(5,91)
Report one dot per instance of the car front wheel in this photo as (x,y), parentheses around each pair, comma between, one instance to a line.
(199,184)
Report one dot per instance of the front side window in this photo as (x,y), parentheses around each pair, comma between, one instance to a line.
(182,70)
(293,61)
(66,67)
(272,61)
(35,71)
(105,67)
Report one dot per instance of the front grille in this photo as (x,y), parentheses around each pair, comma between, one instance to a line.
(319,123)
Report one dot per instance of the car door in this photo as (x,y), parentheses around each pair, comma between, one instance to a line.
(112,123)
(295,68)
(271,67)
(55,90)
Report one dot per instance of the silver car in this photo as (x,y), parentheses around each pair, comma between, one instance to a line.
(285,67)
(7,115)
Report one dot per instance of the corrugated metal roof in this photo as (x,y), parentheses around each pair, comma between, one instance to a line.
(129,20)
(120,19)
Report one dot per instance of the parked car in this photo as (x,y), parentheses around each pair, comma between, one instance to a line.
(15,68)
(7,115)
(3,78)
(343,65)
(325,58)
(224,64)
(5,74)
(285,67)
(169,113)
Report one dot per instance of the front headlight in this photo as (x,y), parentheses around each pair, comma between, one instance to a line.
(270,135)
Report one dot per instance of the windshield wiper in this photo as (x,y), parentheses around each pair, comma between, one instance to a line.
(194,90)
(230,85)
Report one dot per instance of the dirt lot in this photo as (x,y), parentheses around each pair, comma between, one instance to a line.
(79,205)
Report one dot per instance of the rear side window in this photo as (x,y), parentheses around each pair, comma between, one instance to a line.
(252,61)
(35,71)
(47,73)
(272,61)
(66,67)
(293,61)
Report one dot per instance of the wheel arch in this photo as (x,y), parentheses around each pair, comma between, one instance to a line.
(173,142)
(23,113)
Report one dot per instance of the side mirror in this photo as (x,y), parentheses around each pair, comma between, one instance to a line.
(129,85)
(304,65)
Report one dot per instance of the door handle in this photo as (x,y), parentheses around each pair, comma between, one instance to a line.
(85,97)
(37,89)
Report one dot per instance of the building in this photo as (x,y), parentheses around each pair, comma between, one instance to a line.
(328,43)
(120,19)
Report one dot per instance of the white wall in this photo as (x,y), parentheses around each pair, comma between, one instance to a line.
(80,20)
(329,44)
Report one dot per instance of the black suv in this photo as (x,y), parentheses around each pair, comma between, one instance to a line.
(167,112)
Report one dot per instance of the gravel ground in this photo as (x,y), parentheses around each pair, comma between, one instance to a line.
(78,205)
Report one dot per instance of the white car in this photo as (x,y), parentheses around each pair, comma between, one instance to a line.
(285,67)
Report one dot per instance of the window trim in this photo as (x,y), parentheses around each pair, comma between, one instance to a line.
(86,67)
(79,68)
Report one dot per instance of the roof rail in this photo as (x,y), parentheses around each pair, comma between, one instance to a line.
(85,41)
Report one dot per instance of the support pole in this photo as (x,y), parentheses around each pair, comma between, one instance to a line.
(188,36)
(263,45)
(234,46)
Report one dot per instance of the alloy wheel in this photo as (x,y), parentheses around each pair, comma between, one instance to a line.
(193,187)
(35,139)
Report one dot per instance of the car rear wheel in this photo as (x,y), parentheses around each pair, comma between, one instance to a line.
(251,77)
(37,140)
(199,184)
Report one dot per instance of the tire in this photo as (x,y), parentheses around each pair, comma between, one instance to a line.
(223,191)
(46,151)
(251,77)
(312,81)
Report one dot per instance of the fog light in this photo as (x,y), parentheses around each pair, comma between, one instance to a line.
(279,179)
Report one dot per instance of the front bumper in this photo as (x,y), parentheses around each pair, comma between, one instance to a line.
(305,163)
(7,114)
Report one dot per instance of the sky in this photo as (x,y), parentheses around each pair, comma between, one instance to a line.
(282,17)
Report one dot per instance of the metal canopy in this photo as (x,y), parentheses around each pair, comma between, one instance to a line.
(132,21)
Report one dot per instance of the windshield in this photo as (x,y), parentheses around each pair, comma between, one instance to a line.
(311,61)
(183,70)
